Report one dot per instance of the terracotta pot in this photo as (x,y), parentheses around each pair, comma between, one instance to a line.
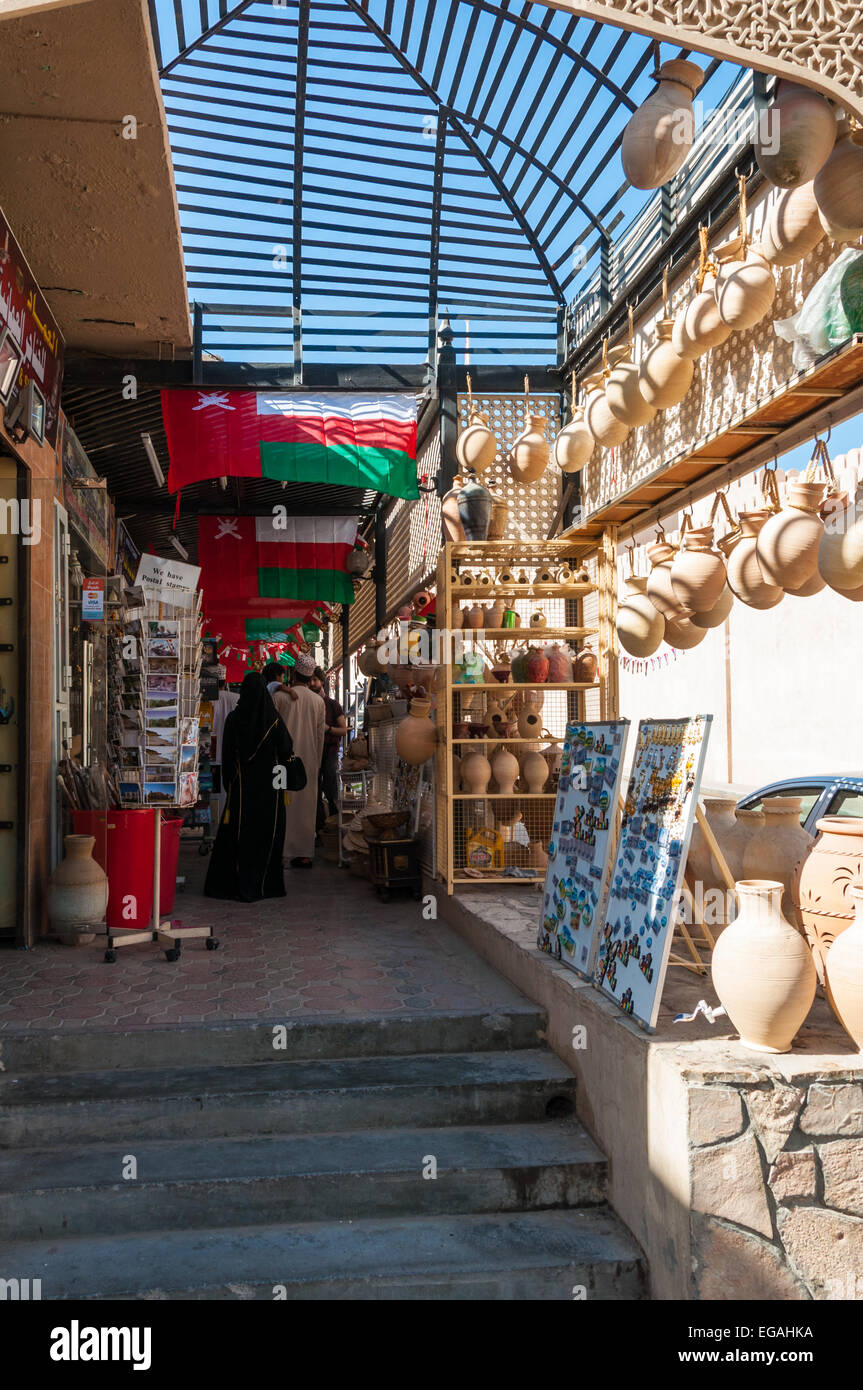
(529,722)
(659,589)
(494,613)
(683,634)
(745,578)
(537,667)
(499,517)
(585,666)
(775,850)
(77,893)
(450,517)
(698,571)
(663,377)
(474,616)
(700,864)
(529,455)
(843,970)
(793,228)
(534,770)
(457,619)
(574,445)
(368,661)
(733,842)
(838,187)
(623,396)
(518,667)
(698,327)
(640,627)
(840,550)
(559,665)
(813,585)
(822,882)
(659,134)
(796,137)
(745,289)
(762,971)
(504,765)
(715,616)
(605,428)
(787,545)
(476,446)
(474,508)
(416,736)
(476,773)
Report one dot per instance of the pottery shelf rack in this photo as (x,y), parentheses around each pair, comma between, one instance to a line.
(511,827)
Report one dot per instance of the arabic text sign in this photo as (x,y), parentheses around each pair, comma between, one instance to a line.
(24,311)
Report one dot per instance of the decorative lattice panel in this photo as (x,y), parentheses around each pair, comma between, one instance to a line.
(532,506)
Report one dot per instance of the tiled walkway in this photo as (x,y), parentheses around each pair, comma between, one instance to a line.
(329,948)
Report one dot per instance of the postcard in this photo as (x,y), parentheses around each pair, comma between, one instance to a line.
(160,793)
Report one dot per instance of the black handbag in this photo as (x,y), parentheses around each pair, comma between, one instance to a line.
(295,774)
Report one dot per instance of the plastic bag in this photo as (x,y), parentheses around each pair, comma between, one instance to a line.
(832,311)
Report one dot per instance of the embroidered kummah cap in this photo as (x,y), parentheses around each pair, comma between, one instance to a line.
(221,673)
(305,665)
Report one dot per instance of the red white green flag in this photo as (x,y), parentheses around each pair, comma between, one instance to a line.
(262,562)
(344,440)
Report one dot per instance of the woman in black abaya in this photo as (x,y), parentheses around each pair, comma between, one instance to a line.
(246,862)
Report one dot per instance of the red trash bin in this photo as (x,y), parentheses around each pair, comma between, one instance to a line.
(124,848)
(170,856)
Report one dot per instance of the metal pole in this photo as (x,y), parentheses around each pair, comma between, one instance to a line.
(447,409)
(380,579)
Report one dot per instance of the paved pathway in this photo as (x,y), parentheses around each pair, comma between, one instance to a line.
(329,948)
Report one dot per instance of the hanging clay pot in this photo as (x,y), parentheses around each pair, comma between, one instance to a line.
(814,584)
(504,765)
(529,722)
(793,228)
(416,736)
(683,634)
(843,970)
(476,446)
(604,427)
(474,508)
(449,512)
(574,445)
(715,616)
(840,550)
(659,589)
(529,454)
(787,544)
(775,850)
(476,773)
(494,614)
(624,398)
(77,893)
(499,517)
(475,616)
(640,628)
(663,377)
(762,970)
(358,562)
(697,571)
(795,136)
(585,666)
(368,661)
(534,770)
(559,665)
(822,881)
(698,327)
(746,288)
(659,134)
(745,578)
(838,188)
(537,667)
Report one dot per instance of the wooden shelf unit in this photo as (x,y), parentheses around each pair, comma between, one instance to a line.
(454,806)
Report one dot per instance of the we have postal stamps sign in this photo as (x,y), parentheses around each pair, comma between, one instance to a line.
(647,875)
(581,840)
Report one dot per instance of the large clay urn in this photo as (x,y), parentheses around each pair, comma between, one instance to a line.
(640,626)
(534,770)
(787,544)
(529,455)
(659,589)
(793,228)
(776,849)
(719,814)
(683,634)
(659,134)
(537,667)
(574,445)
(450,516)
(476,773)
(733,841)
(716,615)
(77,893)
(624,398)
(840,550)
(504,765)
(476,446)
(843,970)
(698,327)
(795,136)
(745,578)
(663,377)
(605,428)
(474,509)
(698,571)
(822,882)
(745,289)
(762,970)
(838,188)
(416,736)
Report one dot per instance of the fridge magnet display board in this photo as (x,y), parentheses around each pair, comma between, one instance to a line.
(581,842)
(647,876)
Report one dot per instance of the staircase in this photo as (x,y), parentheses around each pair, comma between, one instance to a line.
(205,1163)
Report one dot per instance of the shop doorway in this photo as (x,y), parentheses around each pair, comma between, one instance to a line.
(62,669)
(13,820)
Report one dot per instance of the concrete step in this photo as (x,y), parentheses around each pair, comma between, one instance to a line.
(534,1255)
(304,1039)
(298,1097)
(232,1182)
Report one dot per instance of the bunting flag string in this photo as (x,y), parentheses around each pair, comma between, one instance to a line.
(642,666)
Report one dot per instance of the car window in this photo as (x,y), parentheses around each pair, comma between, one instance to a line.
(808,797)
(847,803)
